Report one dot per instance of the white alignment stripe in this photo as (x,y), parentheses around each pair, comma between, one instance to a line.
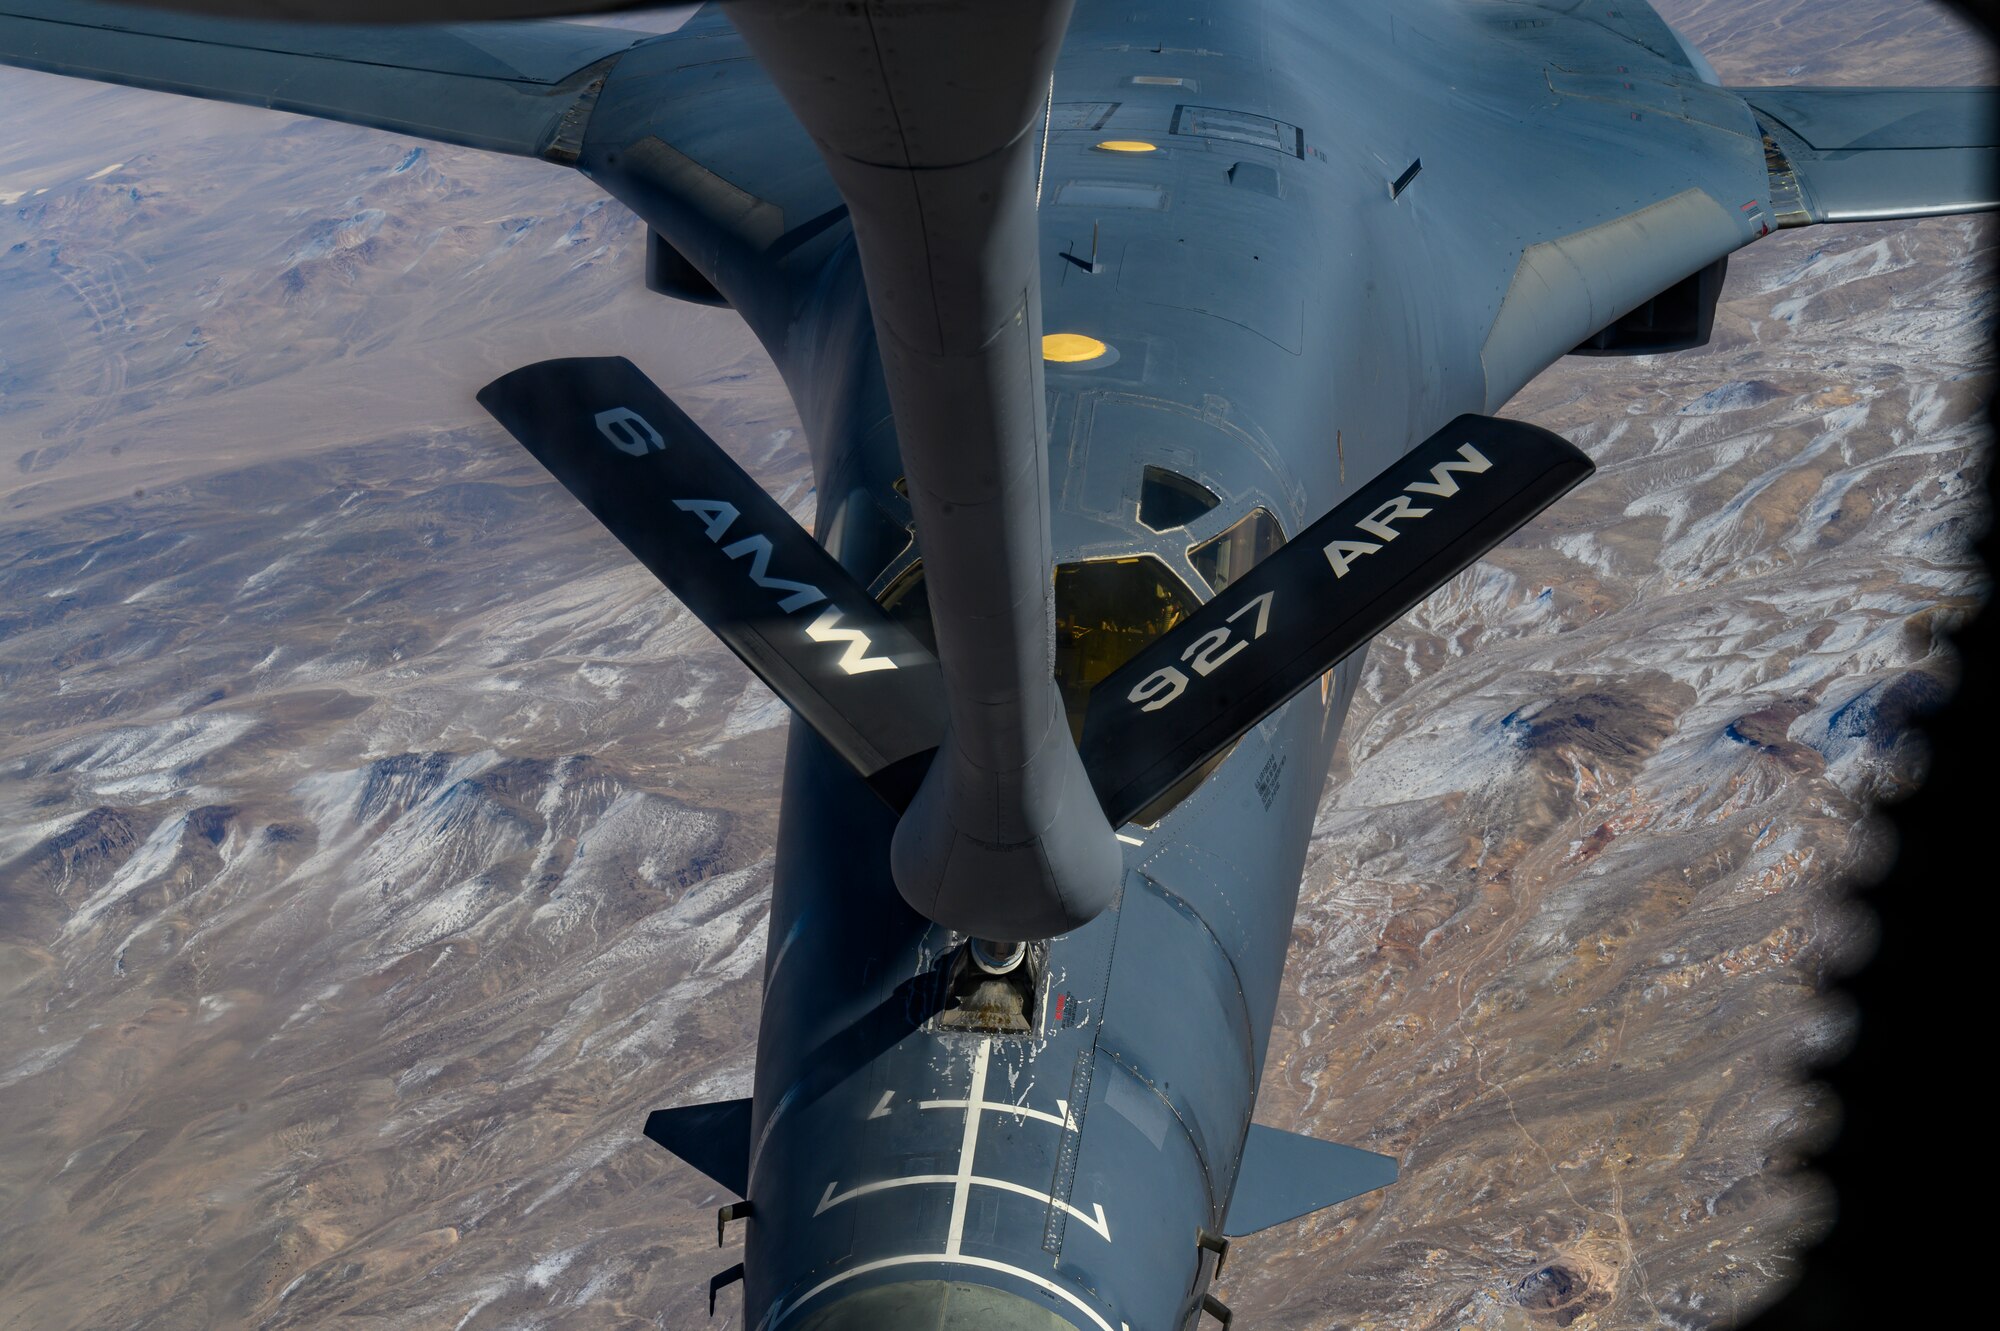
(782,1313)
(784,1103)
(999,1107)
(968,1147)
(798,927)
(831,1199)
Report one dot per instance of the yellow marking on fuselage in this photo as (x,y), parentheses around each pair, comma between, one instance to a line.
(1127,146)
(1071,348)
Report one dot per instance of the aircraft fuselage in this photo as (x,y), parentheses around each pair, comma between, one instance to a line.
(1280,322)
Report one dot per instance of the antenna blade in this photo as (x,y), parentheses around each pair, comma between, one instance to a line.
(735,557)
(1325,593)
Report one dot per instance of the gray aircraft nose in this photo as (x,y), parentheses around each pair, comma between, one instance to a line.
(934,1305)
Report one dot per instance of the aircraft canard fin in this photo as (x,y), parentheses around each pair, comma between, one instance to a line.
(713,1137)
(1285,1175)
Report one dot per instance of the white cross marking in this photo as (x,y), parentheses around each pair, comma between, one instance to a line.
(968,1147)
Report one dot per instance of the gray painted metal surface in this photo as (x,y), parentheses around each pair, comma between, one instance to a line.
(933,1305)
(1871,154)
(393,11)
(1284,1176)
(1352,222)
(504,87)
(928,129)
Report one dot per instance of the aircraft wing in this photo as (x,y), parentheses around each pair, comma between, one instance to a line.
(524,88)
(683,127)
(1873,154)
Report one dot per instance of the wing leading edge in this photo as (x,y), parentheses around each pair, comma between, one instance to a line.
(682,127)
(520,88)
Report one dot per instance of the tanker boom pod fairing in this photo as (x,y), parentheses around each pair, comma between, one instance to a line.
(928,115)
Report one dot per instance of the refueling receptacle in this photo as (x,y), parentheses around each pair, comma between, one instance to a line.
(993,987)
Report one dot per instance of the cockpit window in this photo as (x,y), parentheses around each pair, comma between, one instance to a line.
(1106,610)
(1168,499)
(1229,556)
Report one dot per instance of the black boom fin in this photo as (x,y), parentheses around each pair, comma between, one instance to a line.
(735,557)
(713,1137)
(1330,589)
